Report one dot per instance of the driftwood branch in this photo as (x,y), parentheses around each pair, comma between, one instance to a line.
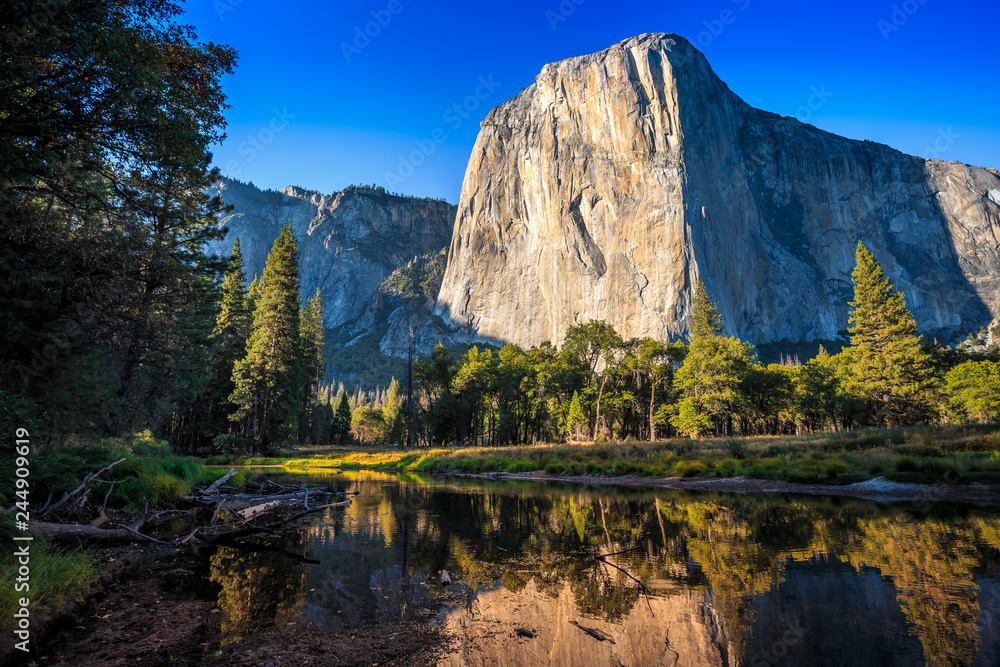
(83,485)
(76,531)
(254,530)
(256,505)
(219,482)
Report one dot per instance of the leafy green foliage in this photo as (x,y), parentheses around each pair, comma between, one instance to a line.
(109,111)
(710,383)
(368,425)
(973,389)
(576,419)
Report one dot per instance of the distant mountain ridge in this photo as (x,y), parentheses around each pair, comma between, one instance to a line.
(349,241)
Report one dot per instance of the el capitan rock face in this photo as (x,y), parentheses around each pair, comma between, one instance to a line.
(609,186)
(349,241)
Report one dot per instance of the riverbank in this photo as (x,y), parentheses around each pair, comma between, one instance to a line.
(909,463)
(145,611)
(139,474)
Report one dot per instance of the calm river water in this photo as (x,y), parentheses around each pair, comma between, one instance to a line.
(708,579)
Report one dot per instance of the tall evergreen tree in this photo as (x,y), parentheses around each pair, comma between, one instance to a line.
(393,412)
(311,332)
(888,366)
(268,380)
(232,328)
(341,420)
(705,317)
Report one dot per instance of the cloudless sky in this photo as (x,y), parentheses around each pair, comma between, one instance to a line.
(921,76)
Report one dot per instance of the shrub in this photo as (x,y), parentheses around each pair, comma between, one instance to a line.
(906,464)
(834,467)
(232,442)
(522,465)
(728,468)
(689,469)
(806,473)
(936,467)
(774,451)
(737,448)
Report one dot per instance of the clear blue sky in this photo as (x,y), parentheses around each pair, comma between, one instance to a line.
(910,74)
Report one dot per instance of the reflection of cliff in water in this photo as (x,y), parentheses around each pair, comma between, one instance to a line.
(680,629)
(704,579)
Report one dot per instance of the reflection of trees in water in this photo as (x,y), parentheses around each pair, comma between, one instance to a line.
(258,587)
(932,563)
(400,533)
(739,547)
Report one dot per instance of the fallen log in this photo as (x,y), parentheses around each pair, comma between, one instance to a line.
(254,510)
(77,531)
(83,485)
(249,499)
(215,538)
(219,482)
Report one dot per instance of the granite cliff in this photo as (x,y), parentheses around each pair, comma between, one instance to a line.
(615,181)
(349,241)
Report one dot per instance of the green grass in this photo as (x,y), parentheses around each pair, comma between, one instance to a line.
(926,454)
(149,473)
(58,578)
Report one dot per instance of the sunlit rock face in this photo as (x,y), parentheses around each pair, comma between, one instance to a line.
(349,241)
(615,181)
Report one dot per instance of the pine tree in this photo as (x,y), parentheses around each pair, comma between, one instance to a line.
(705,317)
(253,294)
(393,412)
(109,110)
(229,338)
(311,332)
(888,366)
(341,420)
(268,380)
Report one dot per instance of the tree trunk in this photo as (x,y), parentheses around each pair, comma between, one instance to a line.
(652,402)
